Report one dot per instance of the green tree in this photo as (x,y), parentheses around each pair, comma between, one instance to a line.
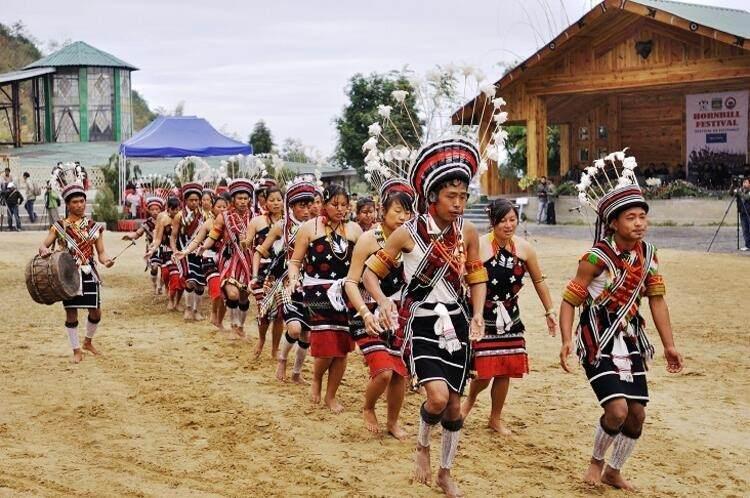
(142,114)
(294,151)
(515,166)
(261,138)
(365,94)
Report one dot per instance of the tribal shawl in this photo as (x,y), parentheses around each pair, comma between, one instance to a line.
(617,307)
(430,271)
(79,239)
(190,222)
(239,267)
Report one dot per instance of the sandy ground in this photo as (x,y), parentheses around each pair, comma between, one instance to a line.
(173,410)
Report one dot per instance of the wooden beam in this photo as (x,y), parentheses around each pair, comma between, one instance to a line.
(613,123)
(536,138)
(565,149)
(693,71)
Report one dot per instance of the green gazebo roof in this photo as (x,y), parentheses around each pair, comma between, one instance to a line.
(80,54)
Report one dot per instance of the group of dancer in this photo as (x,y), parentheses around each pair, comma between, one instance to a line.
(430,302)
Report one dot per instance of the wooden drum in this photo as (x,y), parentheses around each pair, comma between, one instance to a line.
(54,278)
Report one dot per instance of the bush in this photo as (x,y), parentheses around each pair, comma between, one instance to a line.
(566,188)
(106,210)
(676,189)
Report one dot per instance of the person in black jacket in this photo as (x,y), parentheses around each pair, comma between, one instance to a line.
(13,199)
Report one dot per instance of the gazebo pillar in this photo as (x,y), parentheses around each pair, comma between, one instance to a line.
(83,103)
(536,137)
(49,132)
(116,109)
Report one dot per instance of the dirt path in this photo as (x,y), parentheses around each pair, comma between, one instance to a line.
(173,410)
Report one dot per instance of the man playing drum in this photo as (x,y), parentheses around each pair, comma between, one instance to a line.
(80,235)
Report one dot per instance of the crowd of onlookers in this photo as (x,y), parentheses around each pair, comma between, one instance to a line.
(26,192)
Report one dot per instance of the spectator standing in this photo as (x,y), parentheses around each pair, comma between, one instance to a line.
(32,191)
(13,199)
(5,179)
(542,194)
(51,204)
(743,206)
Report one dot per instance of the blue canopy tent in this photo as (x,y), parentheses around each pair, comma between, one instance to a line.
(178,136)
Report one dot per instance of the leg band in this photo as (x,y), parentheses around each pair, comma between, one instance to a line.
(449,446)
(286,344)
(299,357)
(72,332)
(603,439)
(621,450)
(91,328)
(631,434)
(452,425)
(427,421)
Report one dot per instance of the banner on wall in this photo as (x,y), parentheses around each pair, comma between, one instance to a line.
(716,127)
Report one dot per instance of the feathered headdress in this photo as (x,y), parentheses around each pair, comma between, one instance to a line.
(68,180)
(609,189)
(156,188)
(193,173)
(446,149)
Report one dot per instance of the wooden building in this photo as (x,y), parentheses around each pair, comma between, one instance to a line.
(619,77)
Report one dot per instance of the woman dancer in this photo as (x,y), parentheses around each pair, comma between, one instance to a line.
(501,354)
(324,244)
(387,368)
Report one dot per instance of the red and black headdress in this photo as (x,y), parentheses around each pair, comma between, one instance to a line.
(441,160)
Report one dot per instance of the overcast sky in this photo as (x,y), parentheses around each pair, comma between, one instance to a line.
(288,62)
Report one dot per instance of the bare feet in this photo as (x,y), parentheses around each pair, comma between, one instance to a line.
(334,405)
(171,306)
(89,346)
(593,474)
(231,335)
(499,427)
(77,356)
(188,315)
(198,316)
(315,390)
(371,420)
(281,372)
(447,484)
(298,379)
(614,478)
(396,431)
(422,470)
(258,351)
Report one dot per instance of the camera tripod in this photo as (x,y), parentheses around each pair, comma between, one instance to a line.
(733,200)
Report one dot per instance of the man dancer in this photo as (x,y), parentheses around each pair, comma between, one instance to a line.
(611,342)
(441,259)
(185,225)
(236,271)
(80,236)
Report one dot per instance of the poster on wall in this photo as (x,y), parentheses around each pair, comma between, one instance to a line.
(716,127)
